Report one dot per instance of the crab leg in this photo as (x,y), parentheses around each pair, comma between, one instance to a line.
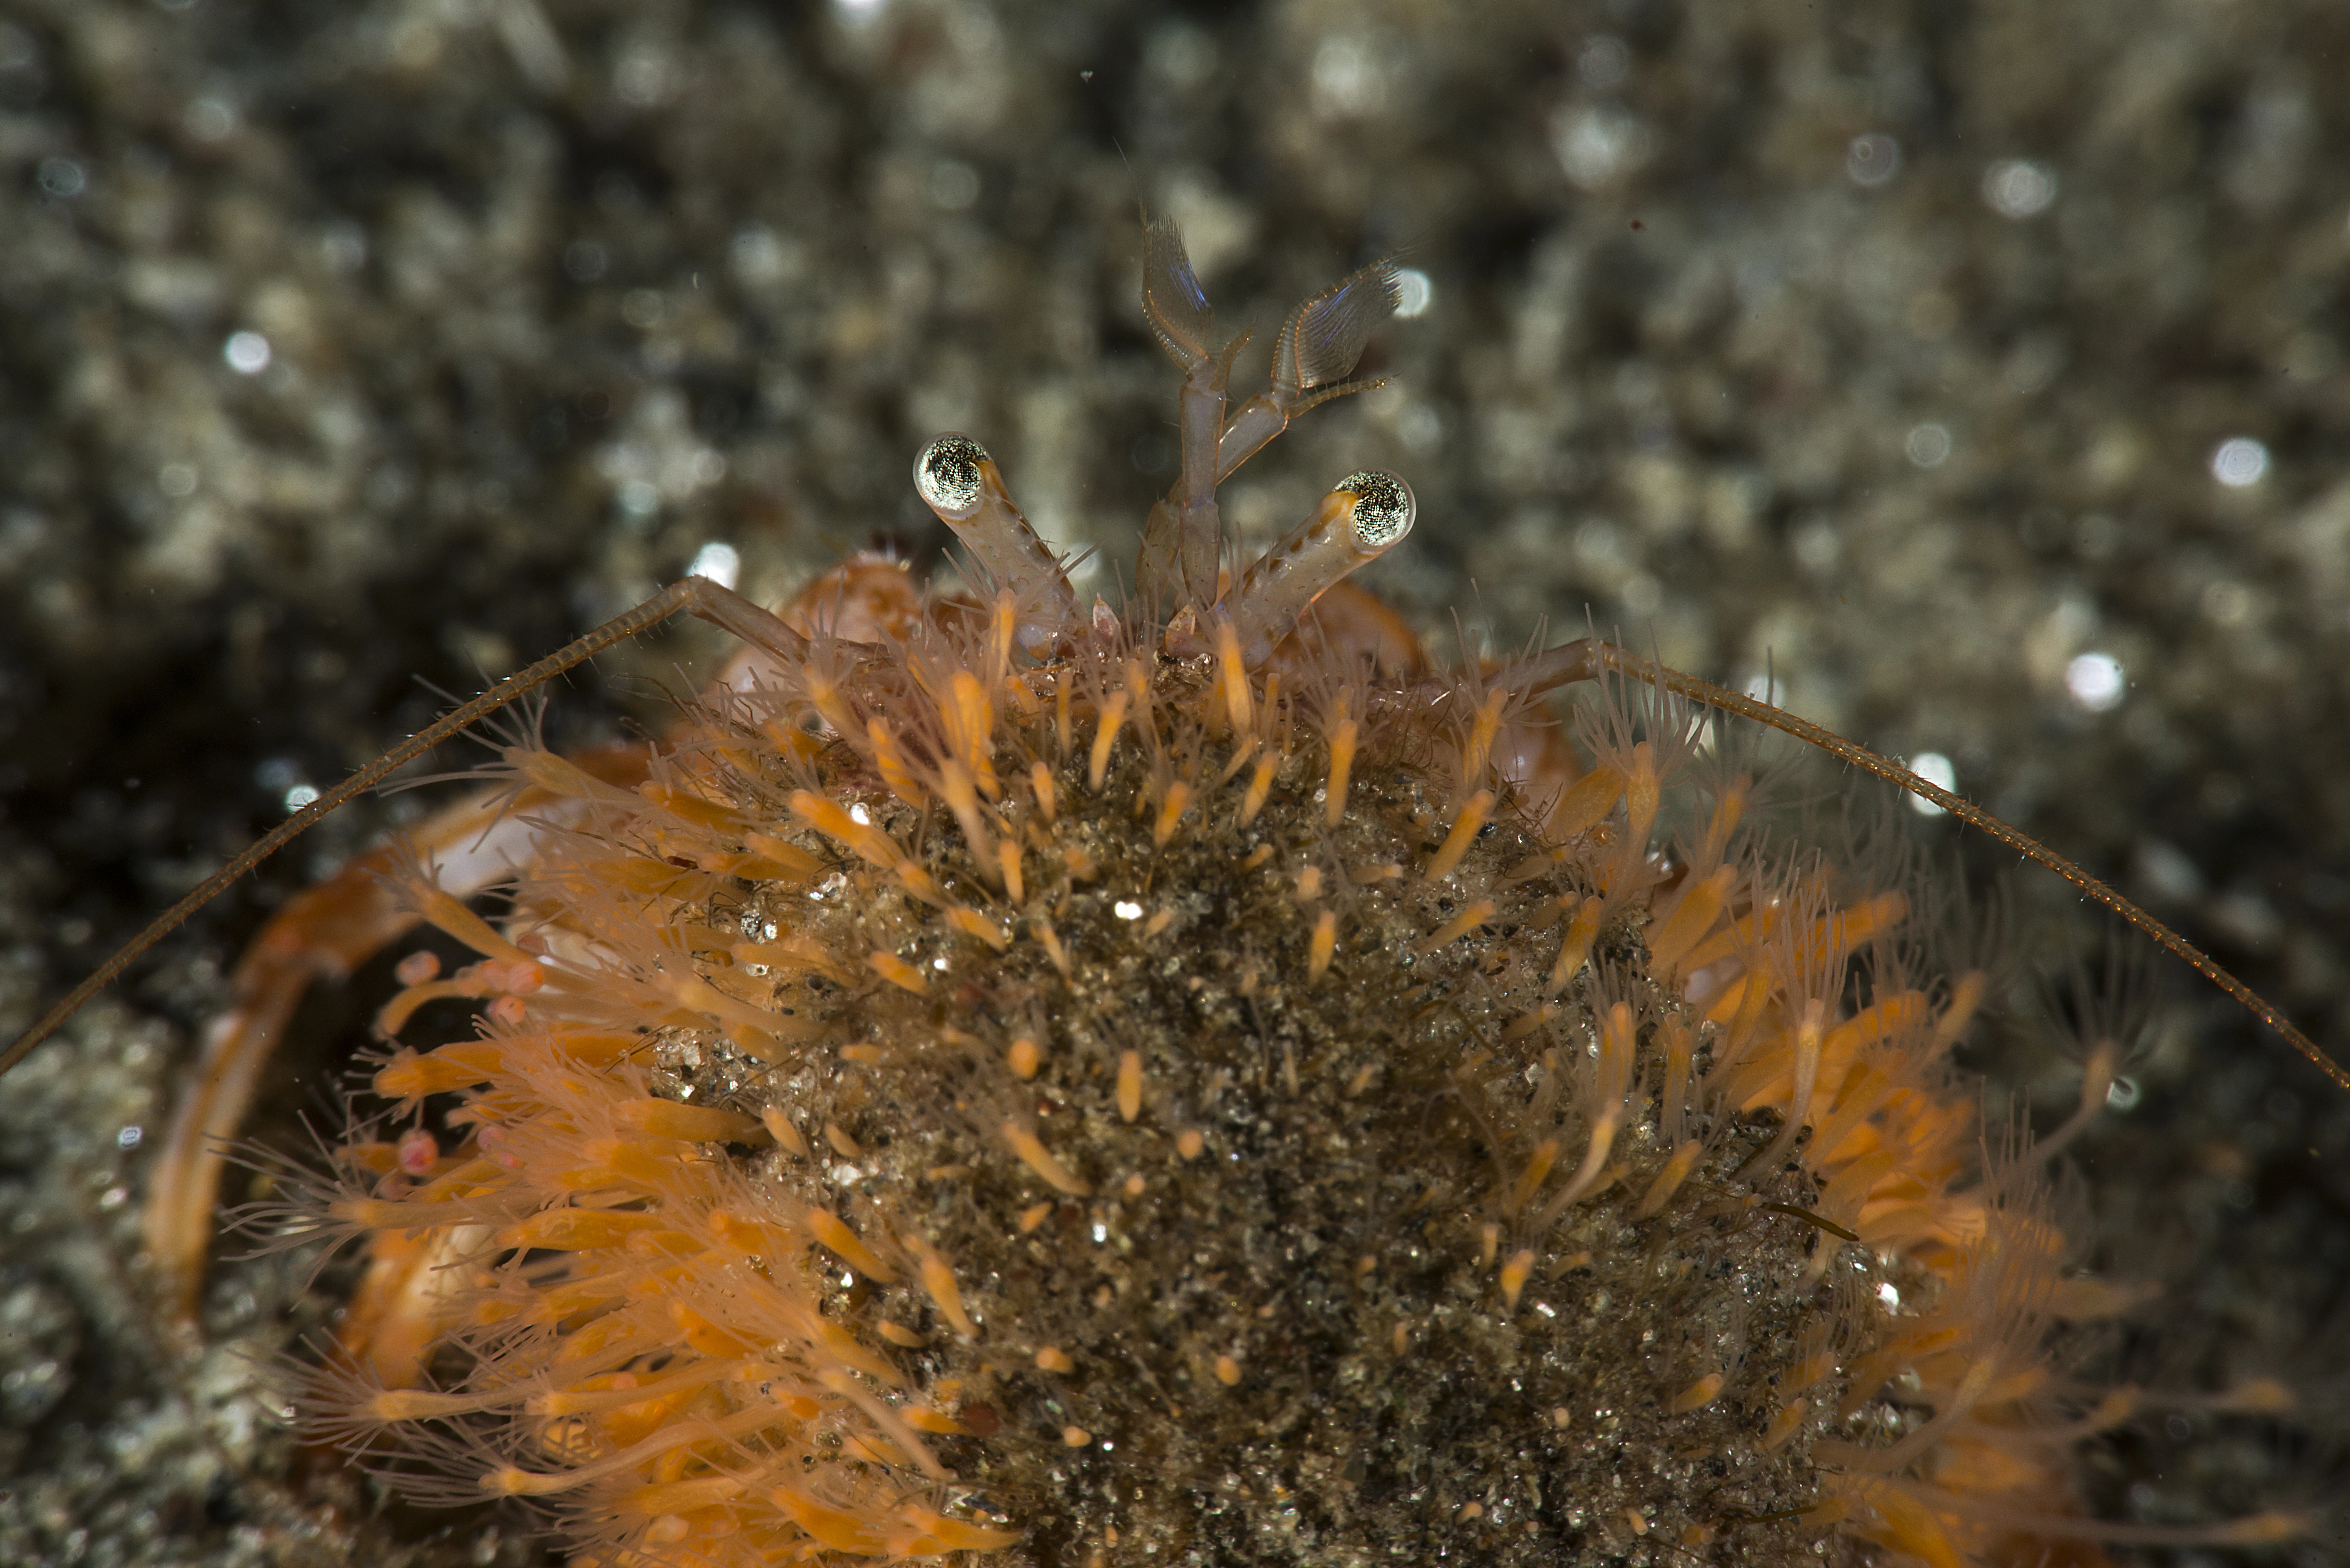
(332,928)
(960,483)
(1365,515)
(323,934)
(1183,535)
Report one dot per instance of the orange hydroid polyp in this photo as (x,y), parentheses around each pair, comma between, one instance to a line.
(641,1290)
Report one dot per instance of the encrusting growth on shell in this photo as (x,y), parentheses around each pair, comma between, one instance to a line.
(1257,1126)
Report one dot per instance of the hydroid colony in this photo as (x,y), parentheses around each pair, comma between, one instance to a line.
(1145,1086)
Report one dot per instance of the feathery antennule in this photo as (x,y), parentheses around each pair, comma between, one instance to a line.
(1319,346)
(1325,336)
(1182,539)
(1172,299)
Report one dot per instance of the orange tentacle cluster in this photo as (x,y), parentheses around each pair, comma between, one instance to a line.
(1188,1082)
(829,1045)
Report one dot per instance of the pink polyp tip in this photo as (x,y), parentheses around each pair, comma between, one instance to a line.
(417,968)
(417,1150)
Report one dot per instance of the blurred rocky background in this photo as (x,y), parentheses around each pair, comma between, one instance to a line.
(1976,367)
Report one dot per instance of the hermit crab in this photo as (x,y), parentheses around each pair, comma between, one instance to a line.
(1174,1080)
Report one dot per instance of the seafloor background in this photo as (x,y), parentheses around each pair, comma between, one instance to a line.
(347,347)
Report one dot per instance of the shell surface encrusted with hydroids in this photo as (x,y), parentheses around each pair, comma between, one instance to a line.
(1147,1219)
(1140,1086)
(220,585)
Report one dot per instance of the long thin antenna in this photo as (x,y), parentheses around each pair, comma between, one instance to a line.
(1580,660)
(722,607)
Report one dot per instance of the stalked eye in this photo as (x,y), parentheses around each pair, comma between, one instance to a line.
(1383,510)
(947,473)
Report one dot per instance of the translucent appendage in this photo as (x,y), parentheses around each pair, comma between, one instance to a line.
(1318,350)
(960,481)
(1364,515)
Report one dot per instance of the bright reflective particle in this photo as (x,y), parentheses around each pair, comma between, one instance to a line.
(641,77)
(209,119)
(756,256)
(343,246)
(62,177)
(2018,189)
(1415,292)
(1597,144)
(1604,61)
(1349,80)
(300,796)
(247,353)
(2239,462)
(1871,158)
(1935,769)
(2097,681)
(1927,445)
(718,561)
